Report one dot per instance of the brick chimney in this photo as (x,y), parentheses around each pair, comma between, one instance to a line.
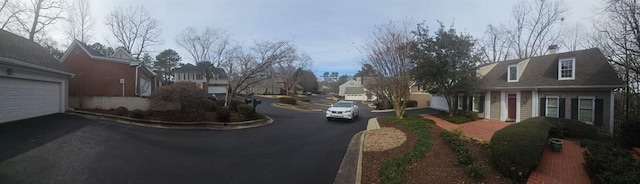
(553,49)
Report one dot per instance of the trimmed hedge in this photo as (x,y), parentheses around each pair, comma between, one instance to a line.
(517,149)
(459,117)
(410,103)
(571,128)
(223,114)
(611,164)
(287,100)
(393,169)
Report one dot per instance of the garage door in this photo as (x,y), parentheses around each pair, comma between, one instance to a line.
(217,89)
(21,99)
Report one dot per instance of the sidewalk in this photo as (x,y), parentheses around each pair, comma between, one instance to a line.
(481,129)
(561,167)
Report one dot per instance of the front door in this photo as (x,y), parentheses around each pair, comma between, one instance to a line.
(512,107)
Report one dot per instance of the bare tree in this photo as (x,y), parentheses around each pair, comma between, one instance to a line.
(388,52)
(535,27)
(209,48)
(80,22)
(133,28)
(39,15)
(495,44)
(291,68)
(249,66)
(574,38)
(10,11)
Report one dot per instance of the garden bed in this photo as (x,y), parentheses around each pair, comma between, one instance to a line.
(437,166)
(172,116)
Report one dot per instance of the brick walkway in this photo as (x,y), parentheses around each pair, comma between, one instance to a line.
(554,168)
(561,167)
(481,129)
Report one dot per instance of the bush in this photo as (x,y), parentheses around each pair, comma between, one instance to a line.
(139,114)
(121,111)
(631,133)
(608,163)
(188,94)
(287,100)
(517,149)
(223,114)
(248,112)
(464,156)
(305,100)
(410,103)
(459,117)
(571,128)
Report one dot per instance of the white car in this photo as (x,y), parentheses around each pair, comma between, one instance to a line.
(342,110)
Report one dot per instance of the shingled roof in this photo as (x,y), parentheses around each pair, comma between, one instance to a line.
(188,68)
(592,69)
(354,90)
(18,48)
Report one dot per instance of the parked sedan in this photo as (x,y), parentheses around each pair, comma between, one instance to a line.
(342,110)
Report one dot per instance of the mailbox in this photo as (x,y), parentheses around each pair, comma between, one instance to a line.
(248,100)
(257,101)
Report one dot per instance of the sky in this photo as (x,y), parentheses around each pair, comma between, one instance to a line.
(330,31)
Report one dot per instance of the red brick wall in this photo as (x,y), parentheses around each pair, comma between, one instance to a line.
(99,77)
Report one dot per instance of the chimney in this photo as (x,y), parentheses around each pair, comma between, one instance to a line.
(553,49)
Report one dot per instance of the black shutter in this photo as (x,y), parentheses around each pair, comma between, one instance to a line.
(481,104)
(561,108)
(599,113)
(470,104)
(543,106)
(464,103)
(574,109)
(455,103)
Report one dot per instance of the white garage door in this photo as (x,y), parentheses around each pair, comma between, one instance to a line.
(354,97)
(217,89)
(21,99)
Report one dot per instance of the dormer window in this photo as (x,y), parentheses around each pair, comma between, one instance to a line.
(567,69)
(512,73)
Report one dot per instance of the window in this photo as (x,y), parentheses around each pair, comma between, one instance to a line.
(566,69)
(198,76)
(552,107)
(513,73)
(460,101)
(586,107)
(476,104)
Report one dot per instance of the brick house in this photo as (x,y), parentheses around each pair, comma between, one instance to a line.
(98,75)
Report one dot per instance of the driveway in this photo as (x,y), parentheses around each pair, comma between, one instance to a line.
(299,147)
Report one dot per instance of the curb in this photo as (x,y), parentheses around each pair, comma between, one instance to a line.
(295,109)
(407,109)
(177,125)
(350,171)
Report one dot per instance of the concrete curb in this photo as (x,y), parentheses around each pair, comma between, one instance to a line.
(407,109)
(350,171)
(177,125)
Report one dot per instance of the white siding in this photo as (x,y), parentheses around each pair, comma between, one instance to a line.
(439,102)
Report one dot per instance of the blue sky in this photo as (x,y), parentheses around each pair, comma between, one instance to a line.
(330,31)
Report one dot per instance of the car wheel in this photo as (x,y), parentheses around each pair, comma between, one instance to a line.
(328,119)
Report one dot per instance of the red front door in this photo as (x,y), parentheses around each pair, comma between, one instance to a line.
(512,107)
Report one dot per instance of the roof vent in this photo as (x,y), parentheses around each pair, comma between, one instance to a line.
(553,49)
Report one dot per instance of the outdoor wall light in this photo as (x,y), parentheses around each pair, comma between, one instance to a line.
(9,71)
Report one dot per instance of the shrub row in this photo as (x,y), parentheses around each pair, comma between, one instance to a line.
(517,149)
(459,117)
(410,103)
(611,164)
(287,100)
(393,169)
(464,156)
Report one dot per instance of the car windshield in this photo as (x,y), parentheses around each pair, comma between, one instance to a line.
(342,105)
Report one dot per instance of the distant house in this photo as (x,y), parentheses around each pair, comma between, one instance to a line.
(574,85)
(357,89)
(218,84)
(32,82)
(103,76)
(421,96)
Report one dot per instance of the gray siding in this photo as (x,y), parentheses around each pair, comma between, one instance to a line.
(525,105)
(495,105)
(568,95)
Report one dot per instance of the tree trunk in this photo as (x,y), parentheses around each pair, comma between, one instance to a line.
(452,108)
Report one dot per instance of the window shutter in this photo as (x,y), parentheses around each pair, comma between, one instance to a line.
(599,113)
(470,104)
(561,113)
(574,109)
(543,106)
(464,103)
(481,104)
(455,102)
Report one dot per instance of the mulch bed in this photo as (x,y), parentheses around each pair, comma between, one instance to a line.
(438,166)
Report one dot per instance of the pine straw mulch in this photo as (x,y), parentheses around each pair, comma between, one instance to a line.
(438,165)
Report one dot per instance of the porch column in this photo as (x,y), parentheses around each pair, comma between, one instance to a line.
(503,106)
(612,103)
(487,105)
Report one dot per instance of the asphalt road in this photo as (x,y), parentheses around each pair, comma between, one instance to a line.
(299,147)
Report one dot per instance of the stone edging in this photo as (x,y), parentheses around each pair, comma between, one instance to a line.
(407,109)
(177,125)
(351,166)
